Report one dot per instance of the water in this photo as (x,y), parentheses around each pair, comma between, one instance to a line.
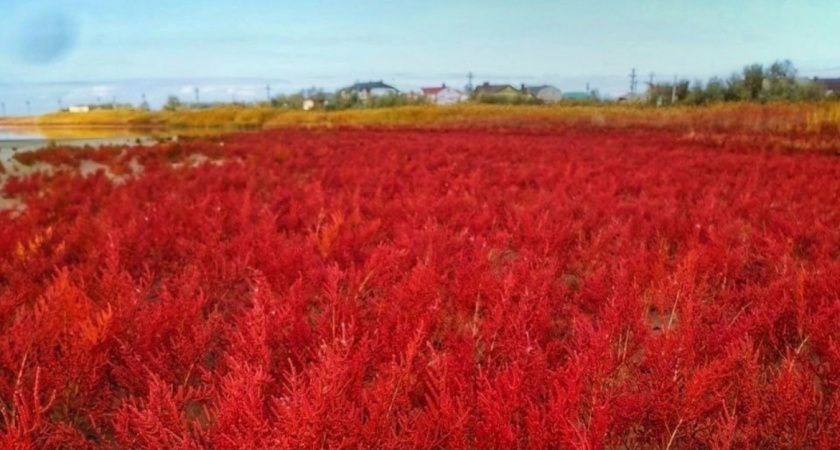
(31,138)
(20,135)
(27,138)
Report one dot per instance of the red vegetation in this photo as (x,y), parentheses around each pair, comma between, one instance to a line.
(428,289)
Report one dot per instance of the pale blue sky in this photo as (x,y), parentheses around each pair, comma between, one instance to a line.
(77,50)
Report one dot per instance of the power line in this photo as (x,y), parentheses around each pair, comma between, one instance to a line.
(823,70)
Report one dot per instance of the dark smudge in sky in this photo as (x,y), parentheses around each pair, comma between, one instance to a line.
(46,37)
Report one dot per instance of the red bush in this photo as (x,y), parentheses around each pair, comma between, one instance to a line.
(468,288)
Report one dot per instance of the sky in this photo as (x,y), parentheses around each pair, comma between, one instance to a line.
(60,52)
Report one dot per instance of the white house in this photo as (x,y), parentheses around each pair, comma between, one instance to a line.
(548,94)
(443,95)
(79,109)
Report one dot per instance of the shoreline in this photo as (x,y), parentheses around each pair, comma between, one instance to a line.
(25,145)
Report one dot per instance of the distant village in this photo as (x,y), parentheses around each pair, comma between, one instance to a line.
(372,94)
(756,83)
(778,82)
(447,95)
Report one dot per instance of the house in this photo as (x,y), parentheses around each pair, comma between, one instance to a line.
(831,85)
(442,95)
(546,93)
(368,90)
(497,90)
(79,109)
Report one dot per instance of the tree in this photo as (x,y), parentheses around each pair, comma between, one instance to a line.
(173,103)
(753,82)
(782,70)
(734,87)
(781,81)
(715,90)
(810,91)
(696,94)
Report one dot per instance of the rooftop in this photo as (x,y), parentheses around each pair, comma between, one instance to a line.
(368,86)
(830,84)
(488,88)
(433,90)
(579,95)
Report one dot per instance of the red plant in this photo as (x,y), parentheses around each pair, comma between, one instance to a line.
(469,288)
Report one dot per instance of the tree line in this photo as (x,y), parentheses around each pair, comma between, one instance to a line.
(778,81)
(755,83)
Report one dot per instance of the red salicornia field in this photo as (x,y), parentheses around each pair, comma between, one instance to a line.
(472,287)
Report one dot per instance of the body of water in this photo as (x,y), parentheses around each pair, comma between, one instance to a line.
(23,138)
(29,138)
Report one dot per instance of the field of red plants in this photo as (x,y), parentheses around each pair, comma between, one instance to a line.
(468,288)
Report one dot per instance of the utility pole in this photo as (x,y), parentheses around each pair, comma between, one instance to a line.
(195,89)
(633,83)
(28,108)
(60,106)
(674,91)
(588,90)
(650,80)
(268,93)
(470,83)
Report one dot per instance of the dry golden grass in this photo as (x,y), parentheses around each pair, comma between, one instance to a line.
(748,118)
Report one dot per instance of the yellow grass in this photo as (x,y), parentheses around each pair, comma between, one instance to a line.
(775,118)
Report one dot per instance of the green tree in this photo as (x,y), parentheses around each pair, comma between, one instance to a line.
(734,87)
(696,94)
(780,81)
(810,91)
(715,90)
(173,103)
(753,82)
